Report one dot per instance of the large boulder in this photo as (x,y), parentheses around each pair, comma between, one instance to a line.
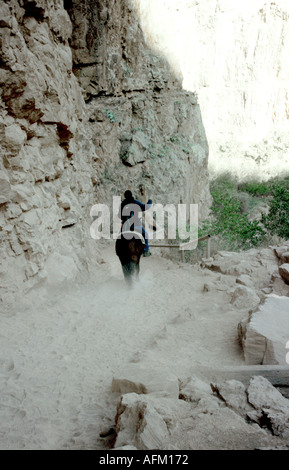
(265,334)
(272,408)
(245,297)
(144,420)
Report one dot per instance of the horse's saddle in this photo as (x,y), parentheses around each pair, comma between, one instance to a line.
(129,235)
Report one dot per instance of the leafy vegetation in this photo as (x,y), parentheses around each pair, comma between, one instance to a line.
(256,188)
(237,220)
(111,116)
(277,219)
(231,221)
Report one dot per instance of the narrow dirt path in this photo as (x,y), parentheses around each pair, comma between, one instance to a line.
(59,351)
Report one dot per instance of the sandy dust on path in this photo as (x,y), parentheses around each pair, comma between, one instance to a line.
(61,349)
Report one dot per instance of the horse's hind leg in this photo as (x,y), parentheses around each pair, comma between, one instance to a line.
(137,270)
(128,270)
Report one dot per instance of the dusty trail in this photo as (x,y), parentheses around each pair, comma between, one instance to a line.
(59,351)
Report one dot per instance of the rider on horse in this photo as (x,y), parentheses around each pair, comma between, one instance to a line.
(130,215)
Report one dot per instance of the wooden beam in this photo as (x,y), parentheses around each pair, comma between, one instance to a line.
(278,375)
(164,246)
(205,237)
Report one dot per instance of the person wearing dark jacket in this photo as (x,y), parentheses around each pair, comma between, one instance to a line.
(132,208)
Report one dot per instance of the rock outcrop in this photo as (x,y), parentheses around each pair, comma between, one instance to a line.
(261,290)
(148,132)
(45,153)
(245,417)
(265,334)
(87,110)
(261,402)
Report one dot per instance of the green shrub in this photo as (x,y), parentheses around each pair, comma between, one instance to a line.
(277,220)
(111,116)
(229,221)
(256,188)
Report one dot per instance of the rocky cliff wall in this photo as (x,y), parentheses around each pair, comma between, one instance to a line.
(46,157)
(148,132)
(233,54)
(87,110)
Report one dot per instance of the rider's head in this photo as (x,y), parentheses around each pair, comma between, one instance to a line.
(128,195)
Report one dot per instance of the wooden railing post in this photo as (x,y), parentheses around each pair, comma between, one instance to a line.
(182,245)
(208,249)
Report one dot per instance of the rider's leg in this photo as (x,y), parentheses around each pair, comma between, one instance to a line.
(146,237)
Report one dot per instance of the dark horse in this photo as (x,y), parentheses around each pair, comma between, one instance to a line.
(129,247)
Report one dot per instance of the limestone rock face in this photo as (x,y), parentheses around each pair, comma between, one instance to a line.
(86,111)
(148,132)
(233,55)
(43,144)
